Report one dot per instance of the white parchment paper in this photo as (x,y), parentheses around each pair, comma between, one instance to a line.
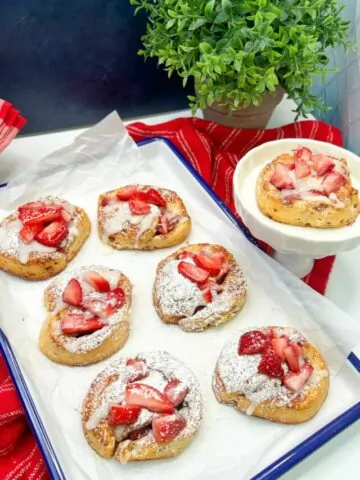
(228,443)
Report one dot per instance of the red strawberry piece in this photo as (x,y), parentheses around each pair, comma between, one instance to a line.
(212,285)
(207,263)
(31,205)
(186,254)
(126,193)
(155,198)
(292,358)
(193,273)
(75,324)
(138,207)
(65,215)
(142,196)
(100,308)
(295,381)
(219,258)
(278,344)
(270,365)
(281,178)
(323,164)
(147,397)
(253,342)
(123,414)
(137,369)
(28,232)
(304,153)
(73,293)
(167,427)
(291,166)
(53,234)
(176,392)
(47,213)
(97,281)
(207,295)
(273,333)
(163,226)
(333,182)
(105,201)
(116,298)
(299,353)
(302,167)
(138,433)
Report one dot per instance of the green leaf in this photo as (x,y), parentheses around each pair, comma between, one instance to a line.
(222,17)
(205,48)
(226,6)
(170,23)
(209,7)
(199,22)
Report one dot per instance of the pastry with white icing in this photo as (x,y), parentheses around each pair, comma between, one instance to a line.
(142,407)
(42,237)
(307,189)
(272,373)
(142,217)
(199,286)
(88,315)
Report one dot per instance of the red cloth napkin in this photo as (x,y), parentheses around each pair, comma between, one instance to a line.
(214,151)
(11,122)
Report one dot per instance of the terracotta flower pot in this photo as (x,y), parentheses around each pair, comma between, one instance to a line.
(250,117)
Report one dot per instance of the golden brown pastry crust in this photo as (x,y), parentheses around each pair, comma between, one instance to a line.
(306,213)
(128,239)
(234,283)
(302,407)
(53,344)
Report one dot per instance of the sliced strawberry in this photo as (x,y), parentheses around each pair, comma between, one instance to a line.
(193,273)
(302,167)
(186,254)
(207,263)
(273,333)
(32,215)
(53,234)
(207,295)
(105,201)
(167,427)
(270,365)
(176,392)
(123,414)
(100,308)
(323,164)
(281,178)
(31,205)
(299,353)
(219,258)
(97,281)
(65,215)
(116,298)
(137,369)
(278,344)
(138,433)
(148,397)
(163,227)
(29,232)
(291,166)
(73,293)
(138,207)
(155,198)
(75,324)
(304,153)
(292,358)
(141,196)
(295,381)
(333,182)
(212,285)
(253,342)
(126,193)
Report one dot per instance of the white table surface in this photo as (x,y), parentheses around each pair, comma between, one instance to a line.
(338,459)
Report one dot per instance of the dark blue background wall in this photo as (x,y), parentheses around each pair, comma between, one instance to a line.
(67,63)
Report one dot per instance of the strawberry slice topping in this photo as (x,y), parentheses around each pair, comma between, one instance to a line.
(105,307)
(29,232)
(295,381)
(323,164)
(278,344)
(163,226)
(137,207)
(97,281)
(193,273)
(155,198)
(186,254)
(292,358)
(73,293)
(270,365)
(207,295)
(76,324)
(281,178)
(147,397)
(65,215)
(137,369)
(176,392)
(53,234)
(253,342)
(138,433)
(212,285)
(207,263)
(47,213)
(333,182)
(126,193)
(167,427)
(123,414)
(116,297)
(304,153)
(299,353)
(302,168)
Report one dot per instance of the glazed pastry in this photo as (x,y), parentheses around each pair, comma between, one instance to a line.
(144,407)
(88,320)
(273,373)
(199,286)
(142,217)
(306,189)
(41,238)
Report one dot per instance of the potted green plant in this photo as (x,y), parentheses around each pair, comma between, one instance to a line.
(244,54)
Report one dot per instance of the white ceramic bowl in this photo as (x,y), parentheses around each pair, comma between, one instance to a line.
(296,247)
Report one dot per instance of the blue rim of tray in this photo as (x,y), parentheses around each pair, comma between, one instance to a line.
(274,470)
